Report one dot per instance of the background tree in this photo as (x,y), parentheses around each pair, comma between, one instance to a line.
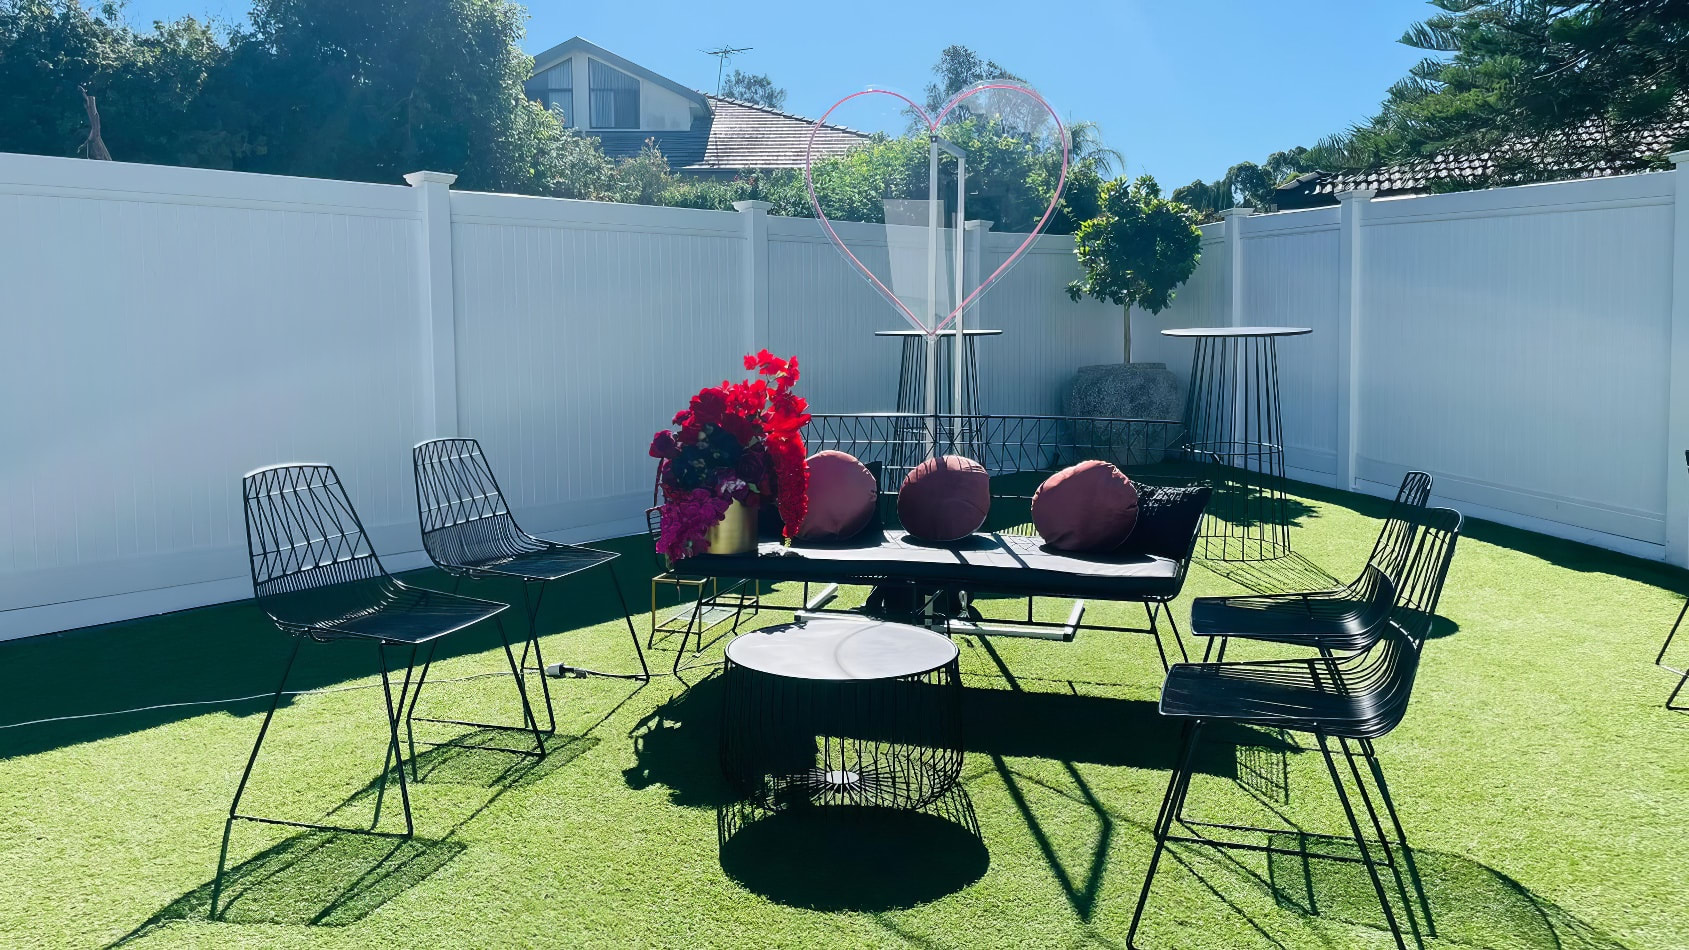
(958,68)
(756,89)
(1137,251)
(1548,87)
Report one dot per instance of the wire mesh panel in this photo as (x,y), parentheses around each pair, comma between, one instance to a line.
(841,712)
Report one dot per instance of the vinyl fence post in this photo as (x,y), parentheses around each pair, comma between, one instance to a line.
(1677,412)
(1234,261)
(1351,205)
(755,287)
(439,328)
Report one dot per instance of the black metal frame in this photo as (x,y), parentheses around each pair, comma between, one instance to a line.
(1340,618)
(722,596)
(315,574)
(1354,699)
(470,532)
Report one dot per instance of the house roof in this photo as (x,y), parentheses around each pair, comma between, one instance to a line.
(576,44)
(1423,175)
(737,135)
(744,135)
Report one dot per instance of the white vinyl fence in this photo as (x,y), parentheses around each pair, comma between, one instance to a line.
(166,329)
(1529,347)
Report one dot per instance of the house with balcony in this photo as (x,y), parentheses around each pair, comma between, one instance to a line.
(623,104)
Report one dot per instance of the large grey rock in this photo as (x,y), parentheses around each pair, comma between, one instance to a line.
(1125,391)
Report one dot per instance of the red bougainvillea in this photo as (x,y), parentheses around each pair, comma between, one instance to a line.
(735,442)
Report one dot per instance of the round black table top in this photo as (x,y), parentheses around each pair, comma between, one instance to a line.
(940,333)
(1237,331)
(824,648)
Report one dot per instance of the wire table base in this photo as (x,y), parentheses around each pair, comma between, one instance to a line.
(882,729)
(1234,424)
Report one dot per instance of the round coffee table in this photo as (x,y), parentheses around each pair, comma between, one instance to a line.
(842,711)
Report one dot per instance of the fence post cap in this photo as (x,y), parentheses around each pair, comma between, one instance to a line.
(418,179)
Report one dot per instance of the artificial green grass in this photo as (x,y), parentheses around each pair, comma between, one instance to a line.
(1538,775)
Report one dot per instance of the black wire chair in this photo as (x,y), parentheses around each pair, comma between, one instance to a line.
(469,532)
(316,575)
(1660,658)
(1342,618)
(1352,698)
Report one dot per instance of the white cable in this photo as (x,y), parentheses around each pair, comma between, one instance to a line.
(229,702)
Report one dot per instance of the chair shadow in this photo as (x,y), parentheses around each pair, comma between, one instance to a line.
(848,858)
(464,762)
(1470,903)
(203,656)
(321,878)
(677,744)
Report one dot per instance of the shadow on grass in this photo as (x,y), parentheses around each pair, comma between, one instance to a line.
(322,878)
(677,745)
(846,858)
(213,654)
(1471,904)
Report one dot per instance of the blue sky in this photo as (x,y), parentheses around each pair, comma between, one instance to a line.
(1184,88)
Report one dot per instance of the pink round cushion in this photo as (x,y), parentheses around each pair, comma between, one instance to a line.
(944,499)
(842,496)
(1091,506)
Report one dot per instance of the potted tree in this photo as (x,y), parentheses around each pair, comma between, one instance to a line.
(1134,252)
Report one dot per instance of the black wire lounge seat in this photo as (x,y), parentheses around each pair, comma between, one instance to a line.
(318,578)
(1342,618)
(469,532)
(1352,699)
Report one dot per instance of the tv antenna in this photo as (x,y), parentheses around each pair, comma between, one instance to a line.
(722,55)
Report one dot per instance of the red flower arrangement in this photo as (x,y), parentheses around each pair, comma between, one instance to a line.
(735,442)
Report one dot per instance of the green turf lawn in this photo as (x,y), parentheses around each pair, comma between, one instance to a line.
(1540,778)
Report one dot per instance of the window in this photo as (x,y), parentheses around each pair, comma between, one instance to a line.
(613,97)
(555,89)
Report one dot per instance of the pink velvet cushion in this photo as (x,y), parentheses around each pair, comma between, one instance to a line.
(1091,506)
(842,496)
(944,499)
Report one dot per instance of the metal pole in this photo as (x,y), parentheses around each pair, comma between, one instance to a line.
(957,353)
(934,219)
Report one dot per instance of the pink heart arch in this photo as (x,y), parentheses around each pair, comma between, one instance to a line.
(932,123)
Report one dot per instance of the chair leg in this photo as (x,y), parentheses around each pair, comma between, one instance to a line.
(521,690)
(1360,842)
(1401,834)
(644,670)
(1155,631)
(1383,841)
(1178,638)
(246,775)
(1672,699)
(1660,657)
(410,712)
(533,643)
(694,622)
(394,713)
(1171,804)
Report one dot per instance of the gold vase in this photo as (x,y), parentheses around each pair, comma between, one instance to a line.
(736,532)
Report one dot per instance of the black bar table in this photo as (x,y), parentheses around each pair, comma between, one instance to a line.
(1233,421)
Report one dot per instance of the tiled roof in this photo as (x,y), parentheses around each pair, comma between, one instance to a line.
(743,135)
(1422,175)
(738,135)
